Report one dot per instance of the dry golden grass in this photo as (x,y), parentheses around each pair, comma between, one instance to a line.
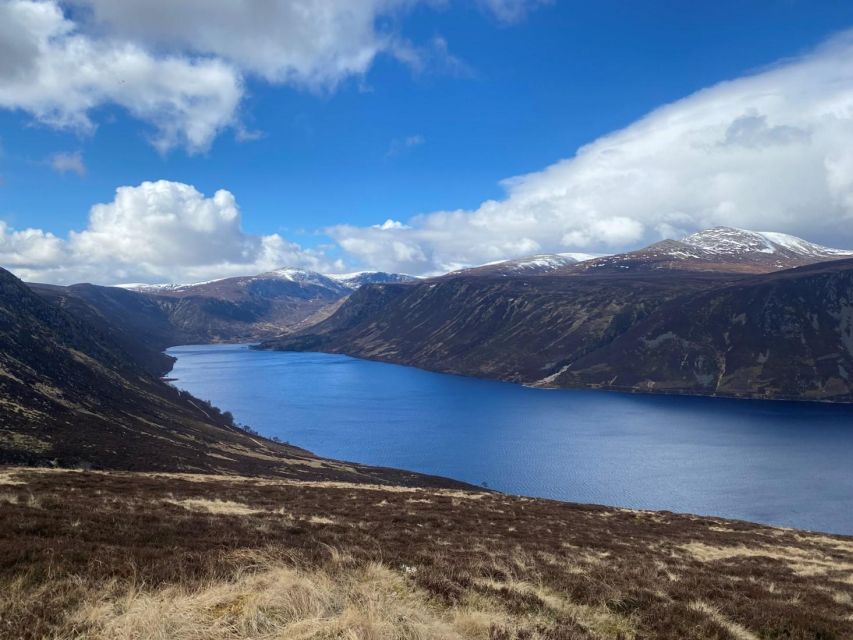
(273,601)
(226,507)
(804,562)
(161,557)
(737,631)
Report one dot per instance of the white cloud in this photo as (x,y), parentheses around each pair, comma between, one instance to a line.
(68,162)
(767,151)
(53,71)
(181,66)
(309,42)
(154,232)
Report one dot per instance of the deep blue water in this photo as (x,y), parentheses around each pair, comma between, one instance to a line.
(781,463)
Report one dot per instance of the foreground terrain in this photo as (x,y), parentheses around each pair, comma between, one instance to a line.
(147,555)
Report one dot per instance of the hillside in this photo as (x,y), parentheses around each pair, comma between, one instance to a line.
(779,335)
(151,556)
(131,319)
(71,395)
(783,335)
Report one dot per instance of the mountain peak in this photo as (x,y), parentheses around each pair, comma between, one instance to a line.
(731,241)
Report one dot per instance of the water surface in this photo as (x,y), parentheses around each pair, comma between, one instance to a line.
(781,463)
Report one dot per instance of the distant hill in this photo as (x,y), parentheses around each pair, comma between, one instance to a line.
(526,266)
(721,249)
(254,307)
(246,308)
(357,279)
(785,334)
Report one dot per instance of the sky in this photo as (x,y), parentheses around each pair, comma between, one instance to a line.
(154,141)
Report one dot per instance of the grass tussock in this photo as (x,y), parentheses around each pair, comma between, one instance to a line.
(273,601)
(151,557)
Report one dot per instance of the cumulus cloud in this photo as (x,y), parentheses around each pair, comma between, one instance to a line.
(310,42)
(766,151)
(181,67)
(154,232)
(58,74)
(68,162)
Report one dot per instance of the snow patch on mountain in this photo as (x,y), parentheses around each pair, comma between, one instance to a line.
(359,278)
(802,247)
(729,241)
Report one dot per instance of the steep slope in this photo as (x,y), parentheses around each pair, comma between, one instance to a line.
(779,335)
(70,395)
(131,319)
(721,249)
(516,329)
(782,335)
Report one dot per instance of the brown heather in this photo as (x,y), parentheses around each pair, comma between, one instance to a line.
(172,556)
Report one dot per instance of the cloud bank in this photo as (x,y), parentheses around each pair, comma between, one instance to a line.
(154,232)
(766,151)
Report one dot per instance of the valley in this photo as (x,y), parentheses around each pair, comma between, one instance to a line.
(140,510)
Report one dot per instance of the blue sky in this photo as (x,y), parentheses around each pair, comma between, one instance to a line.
(490,96)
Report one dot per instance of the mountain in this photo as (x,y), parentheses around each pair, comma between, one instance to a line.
(778,335)
(527,266)
(781,335)
(721,249)
(255,307)
(72,395)
(508,328)
(245,308)
(355,280)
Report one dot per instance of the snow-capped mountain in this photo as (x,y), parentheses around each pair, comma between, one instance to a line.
(724,249)
(304,277)
(731,241)
(258,306)
(526,266)
(355,280)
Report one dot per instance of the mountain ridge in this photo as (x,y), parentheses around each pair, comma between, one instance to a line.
(720,249)
(558,330)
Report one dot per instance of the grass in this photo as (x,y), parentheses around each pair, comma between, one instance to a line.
(154,556)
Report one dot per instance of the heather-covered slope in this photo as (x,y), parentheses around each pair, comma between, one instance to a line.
(783,335)
(516,329)
(121,555)
(71,395)
(779,335)
(131,319)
